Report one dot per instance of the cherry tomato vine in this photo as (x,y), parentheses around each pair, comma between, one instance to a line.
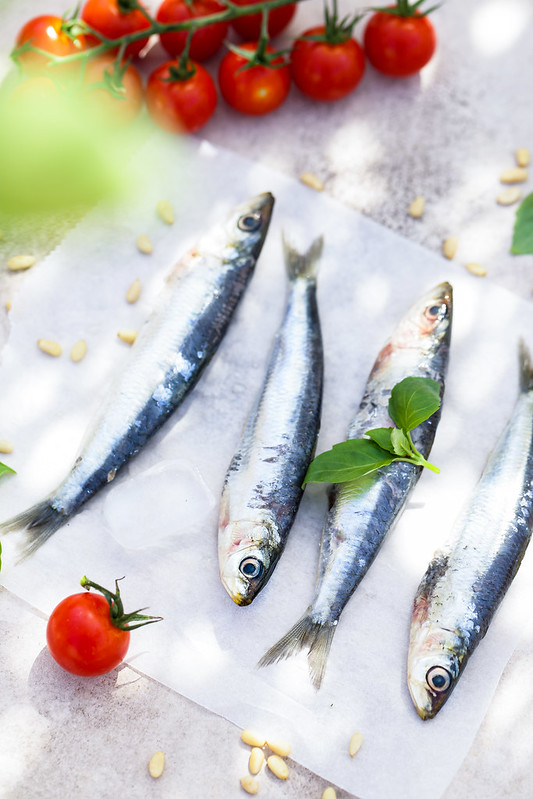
(325,62)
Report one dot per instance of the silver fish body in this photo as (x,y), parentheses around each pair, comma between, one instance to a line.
(464,584)
(173,348)
(262,489)
(363,511)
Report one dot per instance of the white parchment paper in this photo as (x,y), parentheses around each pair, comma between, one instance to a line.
(157,522)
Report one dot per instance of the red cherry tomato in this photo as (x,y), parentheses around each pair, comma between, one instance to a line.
(255,90)
(112,108)
(183,105)
(45,32)
(107,17)
(249,27)
(399,46)
(324,70)
(82,638)
(205,41)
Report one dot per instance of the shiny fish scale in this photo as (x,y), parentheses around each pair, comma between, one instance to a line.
(173,348)
(363,511)
(464,585)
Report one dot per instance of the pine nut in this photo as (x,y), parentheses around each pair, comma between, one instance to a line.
(256,760)
(78,351)
(281,748)
(329,793)
(278,767)
(156,764)
(311,180)
(449,247)
(509,196)
(8,305)
(476,269)
(50,347)
(165,211)
(134,291)
(249,785)
(416,209)
(355,743)
(5,446)
(144,244)
(515,175)
(127,335)
(522,156)
(252,738)
(19,262)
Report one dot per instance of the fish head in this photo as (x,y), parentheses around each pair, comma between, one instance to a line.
(247,554)
(436,656)
(428,323)
(242,234)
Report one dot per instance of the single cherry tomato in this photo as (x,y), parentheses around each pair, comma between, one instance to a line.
(114,99)
(89,634)
(48,33)
(249,27)
(181,104)
(255,90)
(205,41)
(399,46)
(116,18)
(326,70)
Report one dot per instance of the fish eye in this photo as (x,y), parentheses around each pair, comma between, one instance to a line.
(249,222)
(434,311)
(439,679)
(252,568)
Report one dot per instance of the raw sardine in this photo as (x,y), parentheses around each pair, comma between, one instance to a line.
(363,511)
(173,348)
(262,489)
(464,585)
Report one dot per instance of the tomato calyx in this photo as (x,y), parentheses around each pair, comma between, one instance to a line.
(273,59)
(336,31)
(405,8)
(113,79)
(127,6)
(116,609)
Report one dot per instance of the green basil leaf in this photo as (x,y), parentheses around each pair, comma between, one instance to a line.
(413,400)
(523,229)
(382,437)
(348,460)
(400,443)
(6,469)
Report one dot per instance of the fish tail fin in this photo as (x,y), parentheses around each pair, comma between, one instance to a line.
(526,370)
(308,633)
(40,522)
(302,264)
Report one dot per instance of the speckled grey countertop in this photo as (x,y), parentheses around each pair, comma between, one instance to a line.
(447,136)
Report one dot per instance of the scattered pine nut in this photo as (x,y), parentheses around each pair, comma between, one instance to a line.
(256,760)
(312,180)
(156,764)
(278,767)
(8,305)
(252,738)
(281,748)
(522,156)
(515,175)
(127,335)
(509,196)
(476,269)
(355,743)
(5,446)
(50,347)
(249,785)
(19,262)
(134,291)
(144,244)
(329,793)
(449,247)
(416,209)
(78,351)
(165,211)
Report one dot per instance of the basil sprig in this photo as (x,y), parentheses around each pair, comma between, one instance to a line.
(412,401)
